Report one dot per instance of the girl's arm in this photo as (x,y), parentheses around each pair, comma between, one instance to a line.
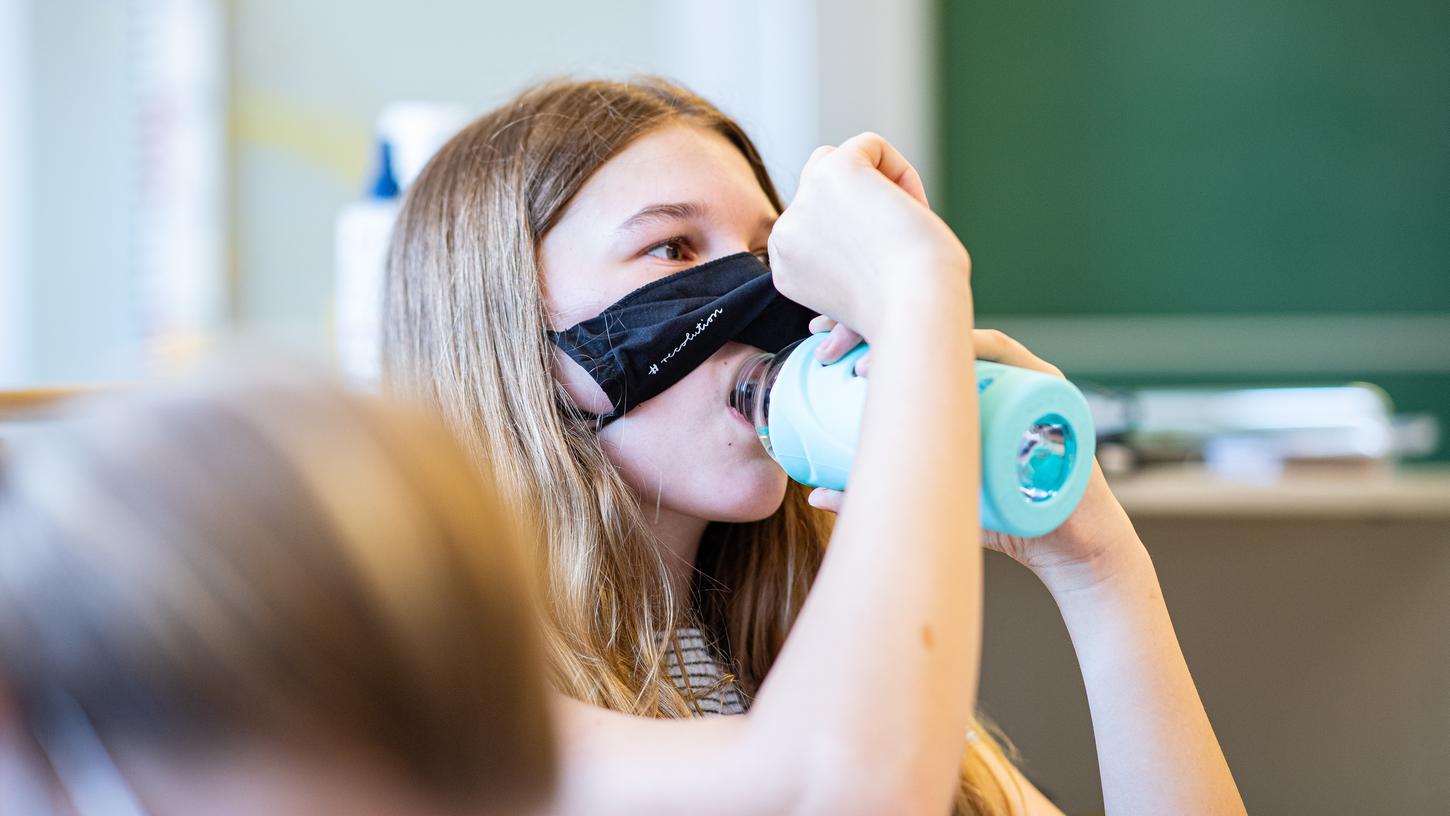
(1157,752)
(866,707)
(895,617)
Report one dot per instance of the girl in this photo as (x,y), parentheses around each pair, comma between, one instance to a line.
(539,272)
(262,596)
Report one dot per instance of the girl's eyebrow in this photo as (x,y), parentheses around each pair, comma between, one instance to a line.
(675,211)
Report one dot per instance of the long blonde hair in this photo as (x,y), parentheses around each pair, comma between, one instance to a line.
(465,320)
(275,562)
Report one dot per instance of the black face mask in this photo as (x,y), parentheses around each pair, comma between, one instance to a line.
(652,337)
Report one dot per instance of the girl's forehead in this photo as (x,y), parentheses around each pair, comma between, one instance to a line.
(677,163)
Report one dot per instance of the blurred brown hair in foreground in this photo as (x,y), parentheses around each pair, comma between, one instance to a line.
(266,571)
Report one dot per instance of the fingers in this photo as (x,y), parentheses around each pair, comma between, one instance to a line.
(824,323)
(880,154)
(821,323)
(996,346)
(841,340)
(991,344)
(824,498)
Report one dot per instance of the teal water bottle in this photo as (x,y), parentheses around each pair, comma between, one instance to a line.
(1037,432)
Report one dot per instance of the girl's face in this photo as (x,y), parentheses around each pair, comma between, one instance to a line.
(675,198)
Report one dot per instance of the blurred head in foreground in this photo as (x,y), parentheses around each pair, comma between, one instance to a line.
(262,596)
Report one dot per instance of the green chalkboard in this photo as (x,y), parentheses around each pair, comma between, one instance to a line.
(1181,156)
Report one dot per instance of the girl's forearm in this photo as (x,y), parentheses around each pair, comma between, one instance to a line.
(885,654)
(1157,752)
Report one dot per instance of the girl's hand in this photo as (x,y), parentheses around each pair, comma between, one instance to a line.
(1085,548)
(859,238)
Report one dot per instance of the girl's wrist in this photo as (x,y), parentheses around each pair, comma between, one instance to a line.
(1122,566)
(929,292)
(1097,543)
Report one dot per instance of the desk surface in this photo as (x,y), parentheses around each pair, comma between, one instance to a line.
(1406,492)
(36,403)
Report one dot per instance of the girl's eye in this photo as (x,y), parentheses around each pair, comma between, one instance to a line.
(671,250)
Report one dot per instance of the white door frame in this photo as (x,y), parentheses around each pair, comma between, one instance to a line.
(801,73)
(15,122)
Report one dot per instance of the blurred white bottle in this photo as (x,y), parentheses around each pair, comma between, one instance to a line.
(408,134)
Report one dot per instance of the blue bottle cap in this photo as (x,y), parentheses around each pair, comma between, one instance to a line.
(385,184)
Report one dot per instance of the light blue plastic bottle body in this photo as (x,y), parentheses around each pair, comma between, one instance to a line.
(1037,443)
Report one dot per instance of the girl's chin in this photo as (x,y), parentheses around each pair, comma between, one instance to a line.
(759,499)
(746,495)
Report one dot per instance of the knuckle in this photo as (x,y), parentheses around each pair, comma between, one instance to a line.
(780,234)
(818,157)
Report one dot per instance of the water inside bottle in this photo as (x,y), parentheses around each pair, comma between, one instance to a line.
(1045,457)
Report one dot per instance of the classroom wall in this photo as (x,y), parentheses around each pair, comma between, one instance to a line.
(78,291)
(308,81)
(1227,193)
